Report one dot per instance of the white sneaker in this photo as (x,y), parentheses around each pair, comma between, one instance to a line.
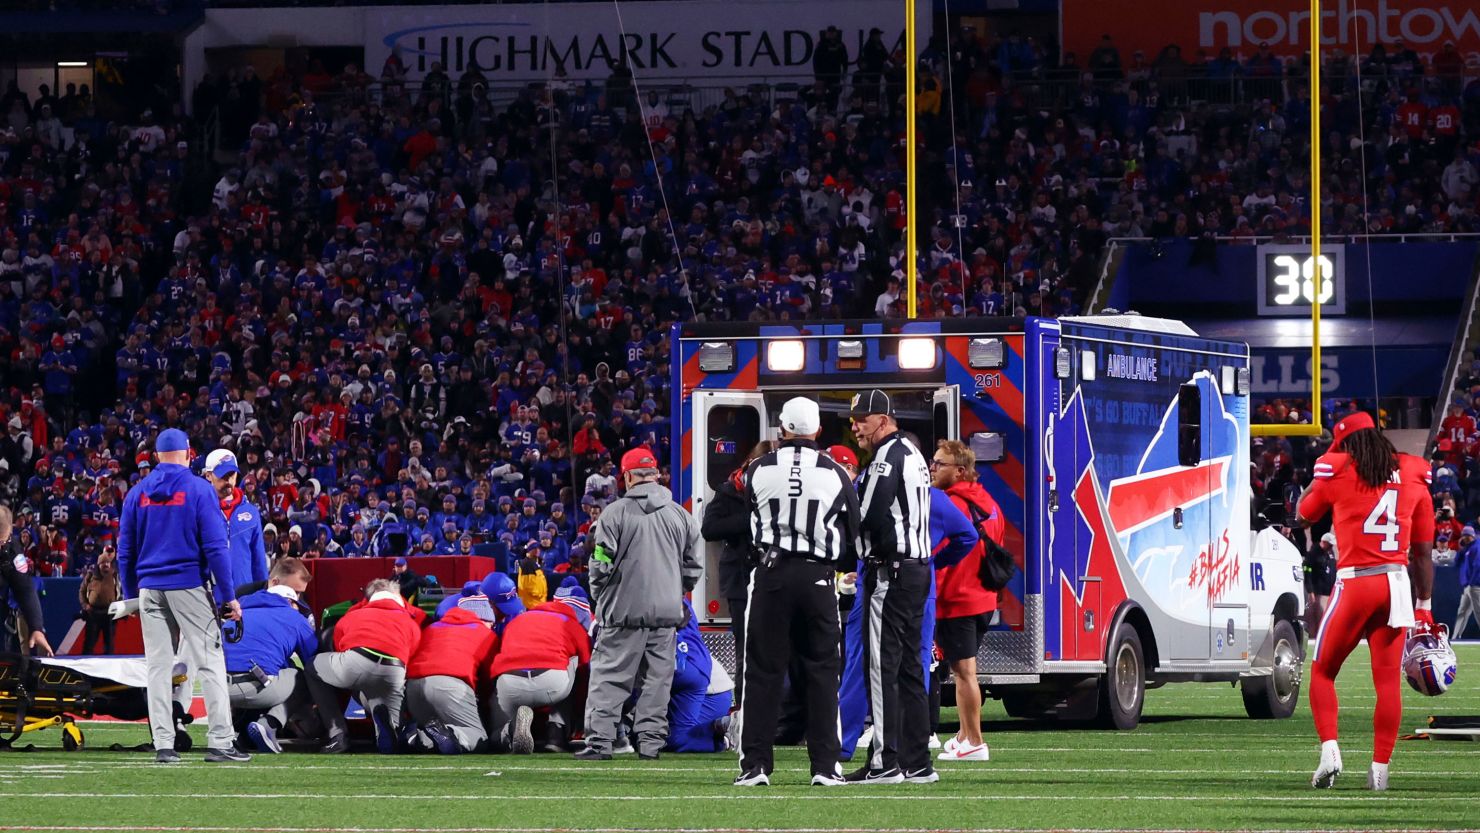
(964,752)
(753,778)
(934,742)
(1377,777)
(623,746)
(865,739)
(952,744)
(823,779)
(1330,766)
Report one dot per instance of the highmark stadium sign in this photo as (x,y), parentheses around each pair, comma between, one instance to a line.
(756,39)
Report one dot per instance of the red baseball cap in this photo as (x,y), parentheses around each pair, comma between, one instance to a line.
(1358,421)
(638,458)
(843,455)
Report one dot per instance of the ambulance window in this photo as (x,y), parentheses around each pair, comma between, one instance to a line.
(1189,425)
(733,430)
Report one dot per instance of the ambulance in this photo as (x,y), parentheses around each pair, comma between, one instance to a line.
(1118,449)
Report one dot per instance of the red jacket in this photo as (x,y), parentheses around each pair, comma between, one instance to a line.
(958,589)
(459,645)
(543,638)
(380,625)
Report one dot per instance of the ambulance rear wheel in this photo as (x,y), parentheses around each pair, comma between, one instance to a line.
(1274,697)
(1123,688)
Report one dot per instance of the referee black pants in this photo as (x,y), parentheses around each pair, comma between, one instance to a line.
(897,695)
(793,606)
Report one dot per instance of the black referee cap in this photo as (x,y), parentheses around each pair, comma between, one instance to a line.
(871,402)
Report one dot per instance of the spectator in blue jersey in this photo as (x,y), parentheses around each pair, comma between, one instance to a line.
(480,523)
(243,520)
(172,548)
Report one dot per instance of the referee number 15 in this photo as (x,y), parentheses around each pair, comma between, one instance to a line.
(1383,520)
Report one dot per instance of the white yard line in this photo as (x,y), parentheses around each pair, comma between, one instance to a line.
(238,829)
(905,794)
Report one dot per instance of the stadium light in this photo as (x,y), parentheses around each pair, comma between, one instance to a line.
(72,64)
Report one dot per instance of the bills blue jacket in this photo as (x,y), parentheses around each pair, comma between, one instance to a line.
(172,536)
(244,536)
(274,630)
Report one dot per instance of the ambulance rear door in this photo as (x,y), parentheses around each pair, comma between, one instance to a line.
(945,412)
(727,424)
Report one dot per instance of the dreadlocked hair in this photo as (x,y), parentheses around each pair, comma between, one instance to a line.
(1373,455)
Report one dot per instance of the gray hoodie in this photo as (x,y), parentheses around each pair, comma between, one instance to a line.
(648,558)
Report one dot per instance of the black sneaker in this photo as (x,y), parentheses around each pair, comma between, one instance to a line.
(753,778)
(554,738)
(229,755)
(865,775)
(336,746)
(646,756)
(166,756)
(592,754)
(923,775)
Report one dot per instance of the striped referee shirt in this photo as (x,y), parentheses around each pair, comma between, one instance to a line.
(802,503)
(895,498)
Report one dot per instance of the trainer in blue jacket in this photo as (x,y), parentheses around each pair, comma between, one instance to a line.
(699,702)
(263,680)
(952,537)
(243,520)
(171,547)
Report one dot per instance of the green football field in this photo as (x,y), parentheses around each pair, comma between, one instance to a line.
(1195,763)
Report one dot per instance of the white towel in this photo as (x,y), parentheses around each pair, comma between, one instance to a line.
(1400,602)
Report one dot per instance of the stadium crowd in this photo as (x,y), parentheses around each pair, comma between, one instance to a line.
(412,310)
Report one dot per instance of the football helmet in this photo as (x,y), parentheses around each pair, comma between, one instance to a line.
(1429,663)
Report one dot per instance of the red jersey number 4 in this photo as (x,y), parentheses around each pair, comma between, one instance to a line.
(1382,521)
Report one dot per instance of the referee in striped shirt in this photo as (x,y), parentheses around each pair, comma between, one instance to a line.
(804,523)
(895,547)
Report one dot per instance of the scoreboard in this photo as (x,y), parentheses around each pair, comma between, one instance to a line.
(1289,280)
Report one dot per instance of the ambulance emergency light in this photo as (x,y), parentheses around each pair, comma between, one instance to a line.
(916,353)
(785,356)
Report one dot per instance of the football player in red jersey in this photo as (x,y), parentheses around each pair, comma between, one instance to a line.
(1383,517)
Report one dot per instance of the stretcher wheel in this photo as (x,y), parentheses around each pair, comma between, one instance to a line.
(72,738)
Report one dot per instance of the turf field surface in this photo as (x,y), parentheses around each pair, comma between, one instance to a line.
(1196,763)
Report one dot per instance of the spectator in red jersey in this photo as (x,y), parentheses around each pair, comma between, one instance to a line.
(1458,426)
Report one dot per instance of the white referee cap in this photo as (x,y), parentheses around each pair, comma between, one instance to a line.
(801,416)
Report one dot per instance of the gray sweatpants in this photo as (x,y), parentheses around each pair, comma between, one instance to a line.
(551,688)
(374,684)
(451,702)
(621,660)
(287,693)
(1469,605)
(186,618)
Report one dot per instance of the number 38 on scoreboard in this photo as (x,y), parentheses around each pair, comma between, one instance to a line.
(1289,279)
